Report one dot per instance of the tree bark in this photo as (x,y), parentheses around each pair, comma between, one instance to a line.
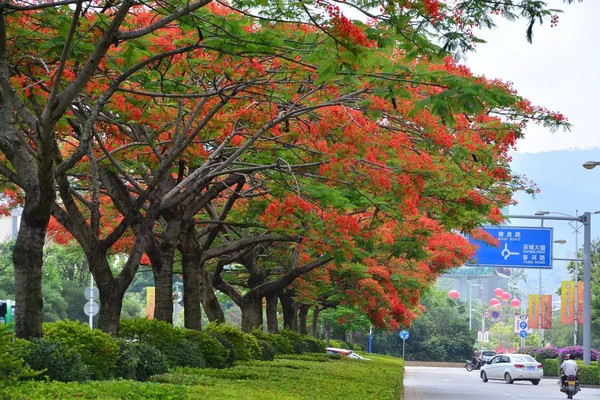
(191,290)
(302,314)
(27,258)
(315,320)
(210,303)
(290,317)
(272,323)
(252,313)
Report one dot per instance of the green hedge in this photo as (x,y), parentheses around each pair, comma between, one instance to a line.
(98,350)
(245,345)
(588,374)
(551,366)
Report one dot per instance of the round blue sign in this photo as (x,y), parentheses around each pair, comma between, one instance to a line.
(523,334)
(404,335)
(495,314)
(523,325)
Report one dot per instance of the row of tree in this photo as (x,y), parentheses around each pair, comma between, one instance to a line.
(268,150)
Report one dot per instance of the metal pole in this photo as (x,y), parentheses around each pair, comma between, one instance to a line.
(587,288)
(370,337)
(403,343)
(539,304)
(470,307)
(576,319)
(91,315)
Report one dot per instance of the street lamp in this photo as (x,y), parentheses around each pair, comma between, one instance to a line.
(471,284)
(590,164)
(576,227)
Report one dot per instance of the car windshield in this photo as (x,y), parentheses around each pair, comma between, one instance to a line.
(523,359)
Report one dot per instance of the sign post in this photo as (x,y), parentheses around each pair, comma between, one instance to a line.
(403,335)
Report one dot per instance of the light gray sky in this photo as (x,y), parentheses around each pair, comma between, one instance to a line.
(559,71)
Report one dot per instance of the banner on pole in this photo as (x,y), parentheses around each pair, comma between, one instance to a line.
(546,311)
(533,311)
(567,303)
(150,302)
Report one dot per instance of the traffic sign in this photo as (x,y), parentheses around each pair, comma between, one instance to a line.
(404,335)
(91,308)
(91,292)
(486,314)
(520,247)
(523,334)
(523,325)
(495,314)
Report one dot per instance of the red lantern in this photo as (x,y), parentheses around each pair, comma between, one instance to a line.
(515,303)
(494,302)
(454,294)
(505,296)
(498,291)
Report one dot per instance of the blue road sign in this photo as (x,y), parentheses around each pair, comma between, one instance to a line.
(404,335)
(523,333)
(523,325)
(520,247)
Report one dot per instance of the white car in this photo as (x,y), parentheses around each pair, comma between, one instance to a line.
(512,367)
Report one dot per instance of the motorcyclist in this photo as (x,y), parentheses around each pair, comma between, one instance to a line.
(476,360)
(568,367)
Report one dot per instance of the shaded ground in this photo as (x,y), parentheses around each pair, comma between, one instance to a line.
(434,364)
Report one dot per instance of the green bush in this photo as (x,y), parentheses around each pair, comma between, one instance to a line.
(268,351)
(98,350)
(339,344)
(588,374)
(214,352)
(281,344)
(56,361)
(231,353)
(139,361)
(12,351)
(304,343)
(246,346)
(551,366)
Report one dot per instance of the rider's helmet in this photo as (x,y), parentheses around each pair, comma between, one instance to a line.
(475,352)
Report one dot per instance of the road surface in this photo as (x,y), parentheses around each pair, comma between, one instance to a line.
(436,383)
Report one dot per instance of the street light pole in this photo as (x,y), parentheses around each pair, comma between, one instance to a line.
(471,284)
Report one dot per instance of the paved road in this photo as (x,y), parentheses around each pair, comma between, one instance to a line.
(431,383)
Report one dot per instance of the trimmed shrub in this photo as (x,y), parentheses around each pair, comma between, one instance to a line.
(339,344)
(588,374)
(246,346)
(56,361)
(139,361)
(98,350)
(231,353)
(156,333)
(268,351)
(214,352)
(540,353)
(304,343)
(551,366)
(13,366)
(281,344)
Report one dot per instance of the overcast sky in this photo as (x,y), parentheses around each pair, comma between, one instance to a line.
(558,71)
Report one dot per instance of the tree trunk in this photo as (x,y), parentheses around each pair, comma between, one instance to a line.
(315,320)
(272,323)
(163,282)
(191,291)
(27,258)
(252,313)
(210,303)
(302,314)
(111,302)
(290,318)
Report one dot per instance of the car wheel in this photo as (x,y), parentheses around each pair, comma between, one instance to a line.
(535,381)
(508,378)
(484,376)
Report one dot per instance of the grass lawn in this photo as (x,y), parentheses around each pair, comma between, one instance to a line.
(295,377)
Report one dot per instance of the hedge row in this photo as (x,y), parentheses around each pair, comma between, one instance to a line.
(70,351)
(555,352)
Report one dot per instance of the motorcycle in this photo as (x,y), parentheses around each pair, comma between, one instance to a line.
(470,365)
(571,386)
